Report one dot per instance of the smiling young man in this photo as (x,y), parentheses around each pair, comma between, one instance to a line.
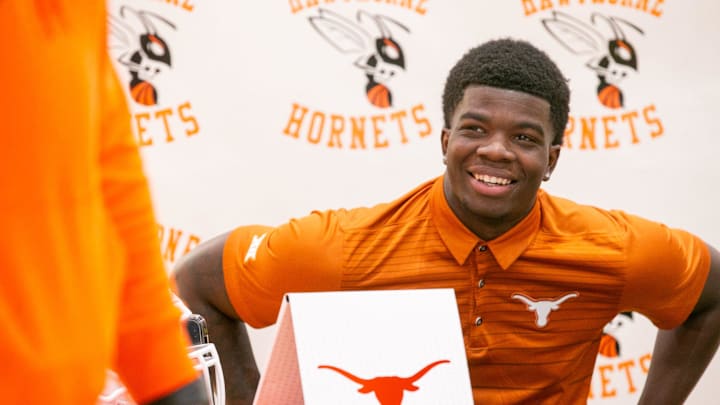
(498,148)
(511,252)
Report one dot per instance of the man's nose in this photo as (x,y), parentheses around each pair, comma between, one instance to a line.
(496,147)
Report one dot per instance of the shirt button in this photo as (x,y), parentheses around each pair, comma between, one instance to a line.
(481,283)
(482,248)
(478,321)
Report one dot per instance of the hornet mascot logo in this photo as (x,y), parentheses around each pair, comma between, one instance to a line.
(144,54)
(378,55)
(609,341)
(612,58)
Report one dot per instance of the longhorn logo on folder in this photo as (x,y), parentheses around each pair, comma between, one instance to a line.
(388,390)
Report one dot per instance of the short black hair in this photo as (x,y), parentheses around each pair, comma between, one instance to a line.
(514,65)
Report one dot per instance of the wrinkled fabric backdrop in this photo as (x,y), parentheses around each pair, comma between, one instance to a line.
(264,111)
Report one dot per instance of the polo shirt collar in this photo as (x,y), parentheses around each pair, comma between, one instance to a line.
(461,241)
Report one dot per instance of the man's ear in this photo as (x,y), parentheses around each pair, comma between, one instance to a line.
(553,156)
(444,137)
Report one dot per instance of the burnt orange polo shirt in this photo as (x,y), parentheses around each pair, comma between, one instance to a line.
(83,284)
(532,302)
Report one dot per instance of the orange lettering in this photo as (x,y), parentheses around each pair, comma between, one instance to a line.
(171,245)
(377,131)
(642,5)
(189,119)
(606,393)
(174,236)
(337,125)
(625,366)
(645,363)
(320,118)
(588,133)
(545,4)
(141,129)
(420,6)
(343,130)
(529,7)
(191,243)
(421,120)
(398,116)
(185,4)
(569,128)
(295,6)
(147,123)
(608,132)
(164,113)
(358,133)
(656,10)
(653,121)
(629,117)
(420,9)
(293,126)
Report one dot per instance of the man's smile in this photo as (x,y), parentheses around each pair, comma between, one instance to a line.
(492,180)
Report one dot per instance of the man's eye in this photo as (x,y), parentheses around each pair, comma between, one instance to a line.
(472,130)
(526,138)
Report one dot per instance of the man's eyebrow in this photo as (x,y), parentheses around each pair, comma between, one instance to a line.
(522,124)
(531,125)
(474,116)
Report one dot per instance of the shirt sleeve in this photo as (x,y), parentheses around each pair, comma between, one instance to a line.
(666,273)
(261,264)
(151,355)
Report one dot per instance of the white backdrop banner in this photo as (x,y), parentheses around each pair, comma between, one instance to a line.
(256,112)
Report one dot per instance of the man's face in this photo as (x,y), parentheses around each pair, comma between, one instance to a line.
(498,150)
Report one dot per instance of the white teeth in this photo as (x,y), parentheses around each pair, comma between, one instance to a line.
(491,179)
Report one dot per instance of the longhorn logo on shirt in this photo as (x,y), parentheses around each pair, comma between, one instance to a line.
(612,58)
(144,53)
(388,390)
(542,308)
(374,50)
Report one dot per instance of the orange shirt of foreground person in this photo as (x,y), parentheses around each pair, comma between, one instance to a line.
(83,284)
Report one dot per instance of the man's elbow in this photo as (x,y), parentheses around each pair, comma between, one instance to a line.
(198,278)
(182,280)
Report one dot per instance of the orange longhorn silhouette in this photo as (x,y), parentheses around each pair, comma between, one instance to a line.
(388,390)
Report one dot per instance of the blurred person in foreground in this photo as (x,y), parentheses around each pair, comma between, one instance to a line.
(537,277)
(84,288)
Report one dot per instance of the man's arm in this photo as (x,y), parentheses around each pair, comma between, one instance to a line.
(681,355)
(200,284)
